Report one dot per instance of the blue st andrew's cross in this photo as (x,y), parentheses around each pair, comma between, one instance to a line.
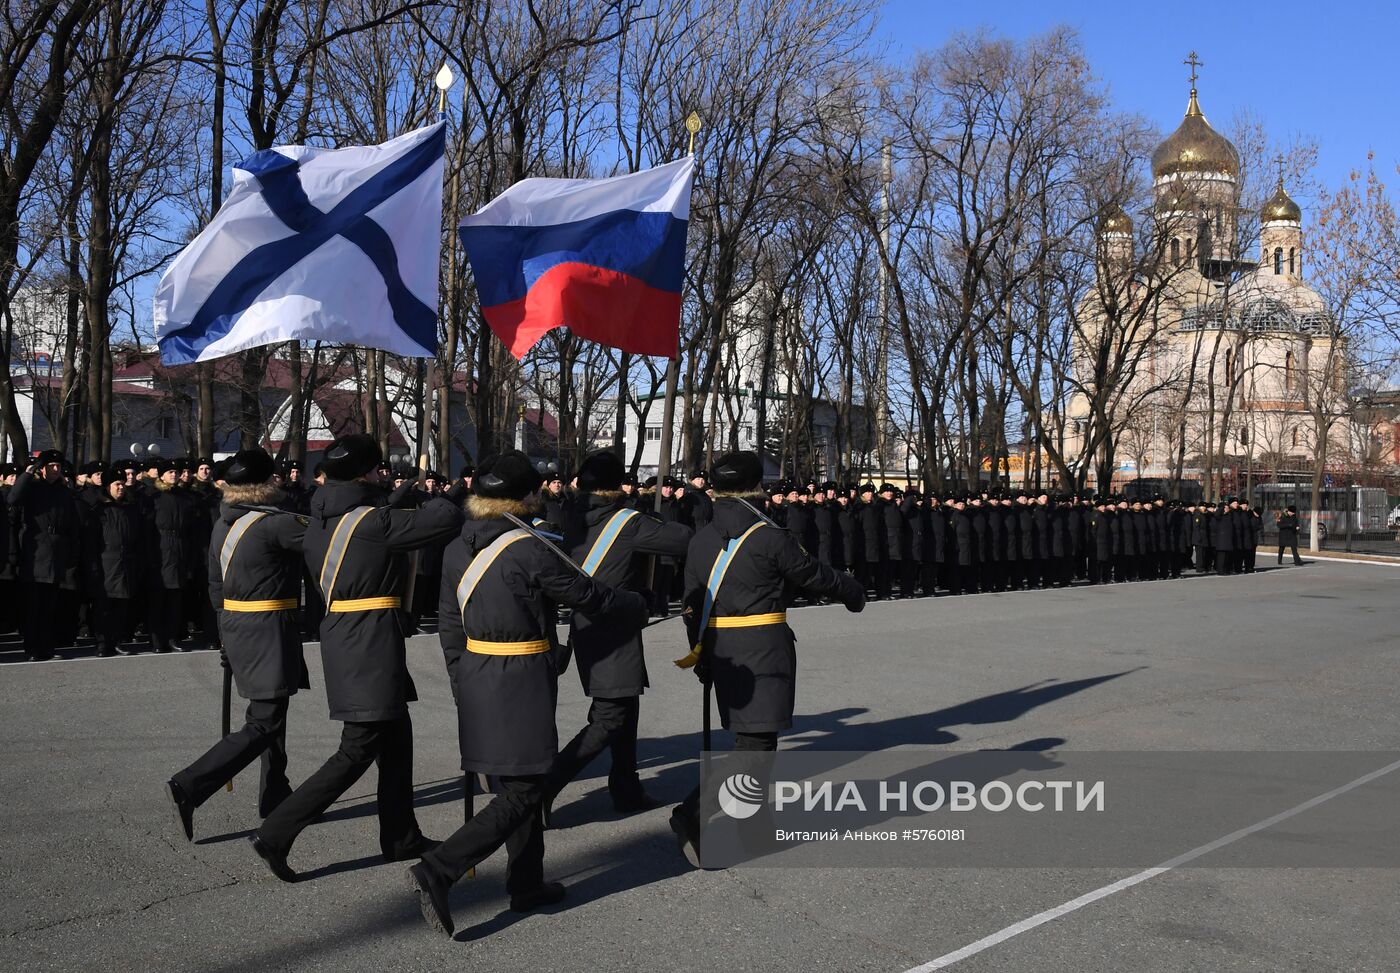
(279,177)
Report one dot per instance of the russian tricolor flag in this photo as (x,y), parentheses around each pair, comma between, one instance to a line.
(603,257)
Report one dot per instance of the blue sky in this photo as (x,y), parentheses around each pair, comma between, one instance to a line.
(1339,60)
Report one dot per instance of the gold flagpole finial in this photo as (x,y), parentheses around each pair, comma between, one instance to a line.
(693,124)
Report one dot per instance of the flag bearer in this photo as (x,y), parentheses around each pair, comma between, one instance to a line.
(736,617)
(610,541)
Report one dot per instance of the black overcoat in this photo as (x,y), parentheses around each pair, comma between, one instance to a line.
(610,658)
(362,652)
(505,703)
(263,648)
(754,669)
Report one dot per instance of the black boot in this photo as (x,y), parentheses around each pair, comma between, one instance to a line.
(183,807)
(687,831)
(276,861)
(432,898)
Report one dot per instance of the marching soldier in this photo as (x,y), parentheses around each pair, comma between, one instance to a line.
(254,577)
(500,588)
(358,549)
(609,540)
(736,572)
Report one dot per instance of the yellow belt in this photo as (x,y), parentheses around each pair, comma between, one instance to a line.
(748,621)
(275,605)
(364,604)
(483,647)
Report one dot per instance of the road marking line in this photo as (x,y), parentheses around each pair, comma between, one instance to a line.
(1351,560)
(1040,918)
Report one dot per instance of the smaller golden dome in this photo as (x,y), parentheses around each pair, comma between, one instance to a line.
(1281,208)
(1114,220)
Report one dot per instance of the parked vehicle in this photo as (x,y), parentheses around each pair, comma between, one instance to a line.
(1360,508)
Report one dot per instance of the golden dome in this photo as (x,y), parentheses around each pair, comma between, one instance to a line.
(1281,207)
(1195,147)
(1114,220)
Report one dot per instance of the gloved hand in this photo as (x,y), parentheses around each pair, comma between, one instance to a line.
(852,594)
(702,671)
(223,659)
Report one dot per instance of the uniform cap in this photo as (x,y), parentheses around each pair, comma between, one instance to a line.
(48,456)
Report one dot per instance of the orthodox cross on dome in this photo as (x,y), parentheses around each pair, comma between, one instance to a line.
(1279,160)
(1195,63)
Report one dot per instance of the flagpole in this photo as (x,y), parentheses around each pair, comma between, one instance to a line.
(693,124)
(443,82)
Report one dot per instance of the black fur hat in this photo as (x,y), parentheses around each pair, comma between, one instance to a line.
(510,476)
(737,472)
(249,466)
(351,456)
(601,471)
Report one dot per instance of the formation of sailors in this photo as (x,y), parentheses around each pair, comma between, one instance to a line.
(119,553)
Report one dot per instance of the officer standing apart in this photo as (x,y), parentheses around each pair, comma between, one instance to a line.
(1288,533)
(736,617)
(500,588)
(610,540)
(254,572)
(358,550)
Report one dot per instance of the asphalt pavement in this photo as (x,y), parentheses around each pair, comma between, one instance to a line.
(96,875)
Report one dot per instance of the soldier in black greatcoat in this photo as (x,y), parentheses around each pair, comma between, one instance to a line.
(611,542)
(1249,536)
(1288,533)
(963,573)
(254,577)
(892,523)
(1061,560)
(358,549)
(50,538)
(745,645)
(911,511)
(997,574)
(1201,537)
(114,559)
(1223,539)
(847,532)
(934,524)
(500,589)
(1101,529)
(1038,568)
(698,505)
(171,526)
(1124,545)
